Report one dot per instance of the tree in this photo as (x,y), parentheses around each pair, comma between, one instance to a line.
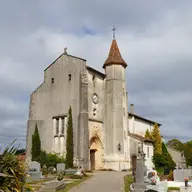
(20,151)
(69,143)
(148,134)
(163,160)
(176,144)
(188,152)
(186,147)
(157,139)
(168,161)
(36,145)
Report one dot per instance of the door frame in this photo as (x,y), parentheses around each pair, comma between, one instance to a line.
(92,158)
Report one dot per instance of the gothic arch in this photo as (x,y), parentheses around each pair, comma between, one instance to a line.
(95,139)
(96,152)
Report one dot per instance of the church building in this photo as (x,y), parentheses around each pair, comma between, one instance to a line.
(106,134)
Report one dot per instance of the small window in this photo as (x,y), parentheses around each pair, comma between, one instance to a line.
(52,80)
(62,125)
(57,126)
(93,78)
(69,77)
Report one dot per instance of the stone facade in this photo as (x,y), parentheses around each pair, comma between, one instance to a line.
(99,103)
(178,157)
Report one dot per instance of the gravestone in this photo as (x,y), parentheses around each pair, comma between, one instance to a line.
(145,170)
(34,172)
(139,184)
(60,167)
(34,166)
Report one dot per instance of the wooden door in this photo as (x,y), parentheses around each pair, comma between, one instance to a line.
(134,163)
(92,159)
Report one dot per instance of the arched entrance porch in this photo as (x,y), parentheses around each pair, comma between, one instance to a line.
(95,153)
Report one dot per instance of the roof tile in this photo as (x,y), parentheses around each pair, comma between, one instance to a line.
(114,56)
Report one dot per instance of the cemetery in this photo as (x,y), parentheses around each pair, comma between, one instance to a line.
(50,172)
(58,178)
(148,180)
(28,176)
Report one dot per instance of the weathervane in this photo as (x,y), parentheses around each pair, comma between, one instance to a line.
(113,31)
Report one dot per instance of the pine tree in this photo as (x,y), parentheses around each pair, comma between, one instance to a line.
(69,142)
(148,134)
(157,139)
(36,145)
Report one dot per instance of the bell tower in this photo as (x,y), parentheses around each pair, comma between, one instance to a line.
(116,119)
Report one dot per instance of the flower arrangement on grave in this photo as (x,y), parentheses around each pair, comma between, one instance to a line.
(153,182)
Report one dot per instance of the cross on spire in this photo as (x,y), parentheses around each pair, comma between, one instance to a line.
(114,29)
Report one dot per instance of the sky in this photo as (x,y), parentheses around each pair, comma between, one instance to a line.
(155,39)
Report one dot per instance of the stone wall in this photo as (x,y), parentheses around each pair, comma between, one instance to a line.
(139,126)
(59,91)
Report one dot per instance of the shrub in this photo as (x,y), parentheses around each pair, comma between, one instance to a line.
(12,171)
(50,159)
(170,176)
(60,177)
(128,180)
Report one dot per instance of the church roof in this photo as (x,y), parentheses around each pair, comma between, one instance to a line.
(96,71)
(67,55)
(140,138)
(142,118)
(114,56)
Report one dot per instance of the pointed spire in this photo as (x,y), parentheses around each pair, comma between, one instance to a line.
(114,56)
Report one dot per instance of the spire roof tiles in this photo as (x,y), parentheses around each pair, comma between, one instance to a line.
(114,56)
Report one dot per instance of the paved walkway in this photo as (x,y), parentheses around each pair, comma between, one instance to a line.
(182,189)
(104,181)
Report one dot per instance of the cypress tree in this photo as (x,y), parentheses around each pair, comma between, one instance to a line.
(69,142)
(148,134)
(167,157)
(157,139)
(36,145)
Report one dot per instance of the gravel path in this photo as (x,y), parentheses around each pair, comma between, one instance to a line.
(104,181)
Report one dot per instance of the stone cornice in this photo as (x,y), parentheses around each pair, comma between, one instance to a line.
(96,120)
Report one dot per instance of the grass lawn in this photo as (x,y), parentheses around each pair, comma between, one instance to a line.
(128,180)
(173,189)
(73,184)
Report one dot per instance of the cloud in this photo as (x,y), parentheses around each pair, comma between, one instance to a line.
(154,38)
